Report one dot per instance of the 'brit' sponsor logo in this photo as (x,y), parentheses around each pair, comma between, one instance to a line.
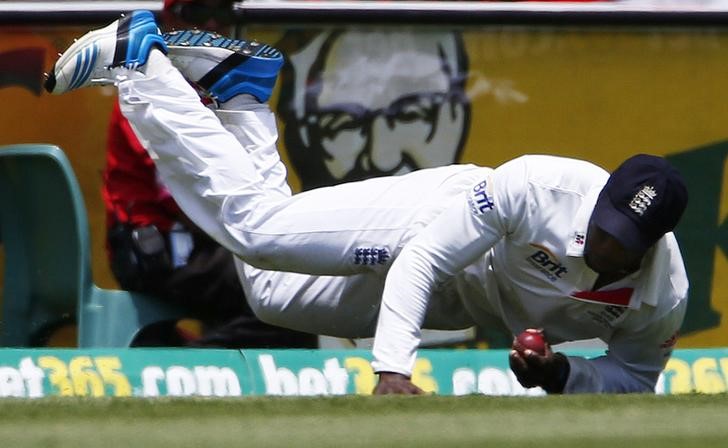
(547,263)
(479,199)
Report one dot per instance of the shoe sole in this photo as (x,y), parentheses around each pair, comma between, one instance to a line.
(250,58)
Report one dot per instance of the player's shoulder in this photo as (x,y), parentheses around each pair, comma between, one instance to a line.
(550,163)
(556,172)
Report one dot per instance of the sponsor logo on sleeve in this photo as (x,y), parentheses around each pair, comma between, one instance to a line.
(480,198)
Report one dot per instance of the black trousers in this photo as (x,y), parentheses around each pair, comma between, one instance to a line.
(208,287)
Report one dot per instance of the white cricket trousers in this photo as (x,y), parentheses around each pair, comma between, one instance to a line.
(314,261)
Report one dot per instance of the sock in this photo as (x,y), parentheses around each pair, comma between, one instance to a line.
(157,63)
(243,101)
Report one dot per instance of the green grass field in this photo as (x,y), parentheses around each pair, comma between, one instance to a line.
(561,422)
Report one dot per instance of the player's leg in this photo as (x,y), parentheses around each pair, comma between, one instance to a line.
(216,182)
(342,230)
(238,77)
(258,141)
(342,306)
(252,213)
(336,231)
(200,162)
(345,306)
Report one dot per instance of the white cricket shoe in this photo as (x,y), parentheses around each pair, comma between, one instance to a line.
(92,59)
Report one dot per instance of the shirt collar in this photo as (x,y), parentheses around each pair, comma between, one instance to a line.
(577,237)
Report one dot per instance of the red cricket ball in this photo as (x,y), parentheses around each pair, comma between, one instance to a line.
(531,339)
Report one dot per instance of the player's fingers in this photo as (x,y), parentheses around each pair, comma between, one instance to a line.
(520,368)
(534,360)
(517,363)
(547,350)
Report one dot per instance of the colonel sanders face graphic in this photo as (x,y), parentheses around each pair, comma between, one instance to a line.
(359,104)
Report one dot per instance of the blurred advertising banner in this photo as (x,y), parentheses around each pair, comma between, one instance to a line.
(356,102)
(229,373)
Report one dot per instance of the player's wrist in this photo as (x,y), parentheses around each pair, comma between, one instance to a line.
(392,375)
(555,381)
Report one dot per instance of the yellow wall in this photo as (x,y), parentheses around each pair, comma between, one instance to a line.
(596,94)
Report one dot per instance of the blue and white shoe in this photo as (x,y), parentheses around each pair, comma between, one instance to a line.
(92,59)
(223,68)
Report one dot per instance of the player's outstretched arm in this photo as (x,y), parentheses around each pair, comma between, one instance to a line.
(396,383)
(456,238)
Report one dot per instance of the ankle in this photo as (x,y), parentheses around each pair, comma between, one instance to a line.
(244,101)
(157,63)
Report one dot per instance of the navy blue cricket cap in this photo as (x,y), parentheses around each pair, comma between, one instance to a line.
(643,199)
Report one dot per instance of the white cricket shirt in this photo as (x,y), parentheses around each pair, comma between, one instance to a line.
(514,247)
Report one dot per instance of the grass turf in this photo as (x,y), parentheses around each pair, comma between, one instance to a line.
(558,421)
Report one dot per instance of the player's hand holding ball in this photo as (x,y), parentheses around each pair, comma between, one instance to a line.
(534,364)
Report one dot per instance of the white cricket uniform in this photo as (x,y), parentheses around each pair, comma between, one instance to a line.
(439,248)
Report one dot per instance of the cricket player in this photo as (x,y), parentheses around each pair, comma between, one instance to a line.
(539,242)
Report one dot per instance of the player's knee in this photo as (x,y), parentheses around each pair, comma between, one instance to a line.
(259,254)
(267,313)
